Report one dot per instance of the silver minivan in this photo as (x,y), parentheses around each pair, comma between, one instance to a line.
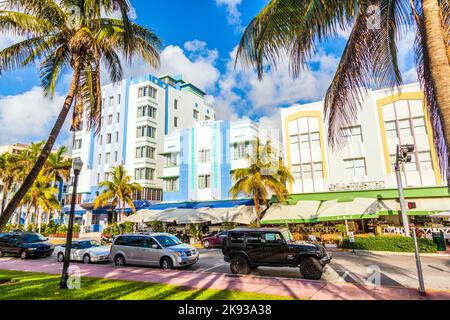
(152,249)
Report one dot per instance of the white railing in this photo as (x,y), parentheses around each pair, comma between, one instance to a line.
(425,230)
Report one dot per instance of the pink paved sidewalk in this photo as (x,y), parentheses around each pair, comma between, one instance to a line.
(293,288)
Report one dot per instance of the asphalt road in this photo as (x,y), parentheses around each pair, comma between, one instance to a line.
(397,270)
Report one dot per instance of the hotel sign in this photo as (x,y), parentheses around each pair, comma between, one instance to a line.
(356,186)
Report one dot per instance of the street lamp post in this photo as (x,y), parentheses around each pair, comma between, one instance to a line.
(403,156)
(77,165)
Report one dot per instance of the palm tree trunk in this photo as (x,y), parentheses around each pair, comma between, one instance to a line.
(29,180)
(4,196)
(35,217)
(27,217)
(439,60)
(258,218)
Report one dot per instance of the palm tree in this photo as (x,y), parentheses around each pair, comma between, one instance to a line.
(266,172)
(60,38)
(117,191)
(295,27)
(8,175)
(58,166)
(42,196)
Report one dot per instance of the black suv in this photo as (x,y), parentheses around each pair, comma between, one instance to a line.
(248,249)
(25,244)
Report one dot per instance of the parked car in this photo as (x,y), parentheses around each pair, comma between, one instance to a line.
(25,244)
(152,249)
(247,249)
(87,251)
(215,241)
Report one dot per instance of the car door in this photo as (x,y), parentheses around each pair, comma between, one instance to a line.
(150,255)
(255,246)
(75,252)
(135,251)
(275,248)
(15,244)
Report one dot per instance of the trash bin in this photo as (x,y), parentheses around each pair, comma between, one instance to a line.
(438,238)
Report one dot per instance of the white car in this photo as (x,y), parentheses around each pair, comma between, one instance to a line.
(87,251)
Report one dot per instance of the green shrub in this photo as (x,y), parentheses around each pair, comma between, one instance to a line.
(62,228)
(393,244)
(115,228)
(11,227)
(49,229)
(76,228)
(230,225)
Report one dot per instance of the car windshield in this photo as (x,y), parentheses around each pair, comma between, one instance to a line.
(168,241)
(33,237)
(287,235)
(89,244)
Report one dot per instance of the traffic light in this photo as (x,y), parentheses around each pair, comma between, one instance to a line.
(405,152)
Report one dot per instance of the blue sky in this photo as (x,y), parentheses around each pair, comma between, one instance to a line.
(199,38)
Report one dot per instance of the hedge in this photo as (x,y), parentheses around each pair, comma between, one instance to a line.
(393,244)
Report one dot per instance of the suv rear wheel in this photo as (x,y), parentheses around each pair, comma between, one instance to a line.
(240,265)
(311,269)
(23,255)
(119,260)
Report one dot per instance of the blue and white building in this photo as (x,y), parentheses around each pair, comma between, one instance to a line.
(137,113)
(199,160)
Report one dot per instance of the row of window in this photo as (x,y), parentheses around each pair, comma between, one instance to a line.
(109,138)
(147,91)
(145,152)
(144,174)
(107,157)
(172,184)
(146,131)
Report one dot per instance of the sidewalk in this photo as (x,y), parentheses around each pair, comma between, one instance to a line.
(298,289)
(443,254)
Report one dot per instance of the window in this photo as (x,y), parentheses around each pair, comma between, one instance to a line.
(195,113)
(146,111)
(77,143)
(110,120)
(419,126)
(117,136)
(118,117)
(144,174)
(171,160)
(147,91)
(106,176)
(355,167)
(425,161)
(171,184)
(237,237)
(204,156)
(115,156)
(146,131)
(111,101)
(108,138)
(98,178)
(254,238)
(107,157)
(100,158)
(296,172)
(304,141)
(175,122)
(101,139)
(404,127)
(318,170)
(353,134)
(307,171)
(118,98)
(145,152)
(175,104)
(315,139)
(241,150)
(204,181)
(391,129)
(272,238)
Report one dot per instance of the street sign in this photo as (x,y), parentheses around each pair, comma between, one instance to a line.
(351,237)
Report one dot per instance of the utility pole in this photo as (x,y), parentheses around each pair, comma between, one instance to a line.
(403,156)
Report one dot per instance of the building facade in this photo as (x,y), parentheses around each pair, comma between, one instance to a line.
(199,160)
(387,118)
(137,113)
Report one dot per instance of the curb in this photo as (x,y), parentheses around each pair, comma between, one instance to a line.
(385,253)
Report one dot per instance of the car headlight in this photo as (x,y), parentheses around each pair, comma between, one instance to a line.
(179,254)
(32,249)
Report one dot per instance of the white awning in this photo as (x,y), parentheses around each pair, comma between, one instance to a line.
(303,211)
(241,214)
(445,214)
(341,209)
(179,216)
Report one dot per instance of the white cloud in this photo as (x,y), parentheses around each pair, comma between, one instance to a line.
(233,13)
(7,40)
(29,116)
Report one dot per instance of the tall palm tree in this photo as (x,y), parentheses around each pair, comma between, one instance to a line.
(117,191)
(64,35)
(58,166)
(295,27)
(265,173)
